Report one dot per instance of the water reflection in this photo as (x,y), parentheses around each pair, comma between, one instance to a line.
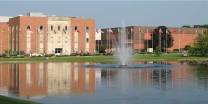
(67,79)
(41,79)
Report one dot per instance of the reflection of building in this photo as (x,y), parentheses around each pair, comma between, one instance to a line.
(59,78)
(167,77)
(36,33)
(139,37)
(40,79)
(83,79)
(27,80)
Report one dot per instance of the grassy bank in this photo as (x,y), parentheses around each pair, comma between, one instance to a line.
(7,100)
(101,58)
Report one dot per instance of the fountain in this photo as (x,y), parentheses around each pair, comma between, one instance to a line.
(124,54)
(124,51)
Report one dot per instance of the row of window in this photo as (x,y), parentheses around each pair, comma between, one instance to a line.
(59,28)
(66,28)
(29,27)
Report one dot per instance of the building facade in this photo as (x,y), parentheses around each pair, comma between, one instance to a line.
(38,34)
(140,39)
(4,38)
(59,35)
(83,35)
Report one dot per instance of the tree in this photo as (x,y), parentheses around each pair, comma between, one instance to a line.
(186,26)
(201,46)
(162,38)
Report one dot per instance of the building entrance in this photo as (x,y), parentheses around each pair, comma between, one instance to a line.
(58,50)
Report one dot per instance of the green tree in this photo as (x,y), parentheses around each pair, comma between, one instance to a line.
(157,51)
(201,46)
(162,38)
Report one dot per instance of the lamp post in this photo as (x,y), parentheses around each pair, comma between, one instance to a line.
(166,43)
(19,41)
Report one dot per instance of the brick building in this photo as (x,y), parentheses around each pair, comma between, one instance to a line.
(139,37)
(4,37)
(38,34)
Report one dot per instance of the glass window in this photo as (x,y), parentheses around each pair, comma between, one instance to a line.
(59,28)
(51,28)
(41,27)
(28,27)
(87,29)
(66,27)
(87,40)
(75,28)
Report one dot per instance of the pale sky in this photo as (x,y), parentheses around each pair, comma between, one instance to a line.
(112,13)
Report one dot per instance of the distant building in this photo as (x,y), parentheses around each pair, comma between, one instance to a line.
(39,34)
(139,37)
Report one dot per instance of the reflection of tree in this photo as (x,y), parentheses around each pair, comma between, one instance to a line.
(202,76)
(161,78)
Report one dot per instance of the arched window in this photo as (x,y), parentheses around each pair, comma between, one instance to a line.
(87,29)
(75,28)
(28,27)
(41,28)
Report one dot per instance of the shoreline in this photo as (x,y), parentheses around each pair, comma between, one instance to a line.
(10,100)
(102,58)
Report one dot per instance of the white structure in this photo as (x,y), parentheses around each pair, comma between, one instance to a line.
(98,34)
(4,18)
(87,39)
(59,81)
(59,36)
(28,40)
(36,14)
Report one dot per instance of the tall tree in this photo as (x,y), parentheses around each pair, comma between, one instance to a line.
(162,38)
(201,46)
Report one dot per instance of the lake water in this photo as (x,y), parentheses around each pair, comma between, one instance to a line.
(74,83)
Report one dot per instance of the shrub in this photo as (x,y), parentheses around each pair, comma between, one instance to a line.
(157,51)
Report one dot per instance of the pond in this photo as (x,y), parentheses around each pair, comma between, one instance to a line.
(74,83)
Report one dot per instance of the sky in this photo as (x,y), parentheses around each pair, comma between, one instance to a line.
(112,13)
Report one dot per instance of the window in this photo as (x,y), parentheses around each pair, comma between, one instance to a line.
(75,28)
(66,27)
(87,40)
(41,28)
(28,27)
(87,29)
(51,28)
(59,28)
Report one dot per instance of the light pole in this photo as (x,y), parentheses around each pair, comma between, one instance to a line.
(19,41)
(152,41)
(166,41)
(160,31)
(139,40)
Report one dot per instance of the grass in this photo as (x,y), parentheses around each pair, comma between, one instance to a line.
(8,100)
(102,58)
